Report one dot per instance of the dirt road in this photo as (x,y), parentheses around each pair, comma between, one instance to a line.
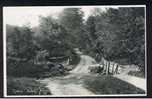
(85,63)
(71,84)
(136,81)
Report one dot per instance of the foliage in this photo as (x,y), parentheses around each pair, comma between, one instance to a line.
(75,58)
(114,34)
(21,50)
(118,34)
(53,37)
(21,53)
(27,69)
(72,20)
(20,43)
(25,86)
(137,73)
(97,69)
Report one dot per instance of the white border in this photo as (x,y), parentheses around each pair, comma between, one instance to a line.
(4,56)
(5,62)
(145,49)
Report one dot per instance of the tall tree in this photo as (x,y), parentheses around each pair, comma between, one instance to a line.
(54,37)
(20,42)
(72,20)
(21,50)
(121,34)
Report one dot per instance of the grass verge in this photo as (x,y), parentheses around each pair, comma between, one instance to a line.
(137,73)
(25,86)
(110,85)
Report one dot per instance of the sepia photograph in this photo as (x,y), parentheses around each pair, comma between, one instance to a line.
(62,51)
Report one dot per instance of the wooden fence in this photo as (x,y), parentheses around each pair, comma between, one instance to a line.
(110,67)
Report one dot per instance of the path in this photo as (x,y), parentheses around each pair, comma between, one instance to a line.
(71,84)
(67,86)
(136,81)
(85,63)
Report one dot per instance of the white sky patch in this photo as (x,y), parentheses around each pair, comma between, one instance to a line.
(30,15)
(27,15)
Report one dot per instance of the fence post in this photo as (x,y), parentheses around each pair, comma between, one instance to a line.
(113,67)
(108,67)
(104,65)
(116,70)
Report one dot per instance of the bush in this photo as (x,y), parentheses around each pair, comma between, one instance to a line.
(73,63)
(110,85)
(23,69)
(75,59)
(97,69)
(54,70)
(25,86)
(137,73)
(28,69)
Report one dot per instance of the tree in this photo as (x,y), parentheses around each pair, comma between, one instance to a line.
(91,27)
(20,42)
(120,34)
(117,34)
(90,31)
(72,20)
(54,37)
(131,34)
(21,50)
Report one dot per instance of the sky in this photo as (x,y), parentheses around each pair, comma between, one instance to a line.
(30,15)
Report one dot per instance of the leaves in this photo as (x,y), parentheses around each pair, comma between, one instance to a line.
(120,34)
